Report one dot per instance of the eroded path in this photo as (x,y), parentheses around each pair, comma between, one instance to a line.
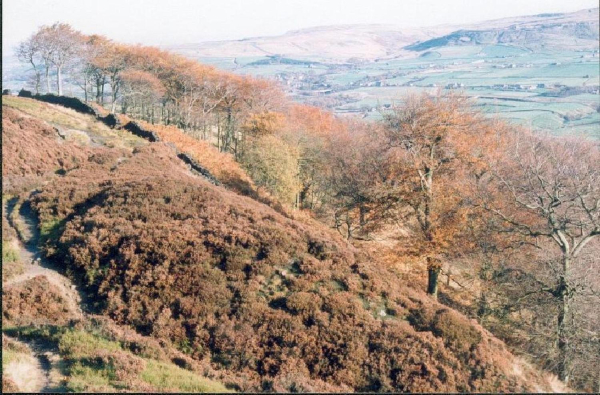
(25,223)
(42,371)
(27,372)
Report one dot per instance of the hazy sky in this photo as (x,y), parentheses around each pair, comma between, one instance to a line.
(186,21)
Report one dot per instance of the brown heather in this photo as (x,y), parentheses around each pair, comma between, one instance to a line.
(40,152)
(252,298)
(34,301)
(280,305)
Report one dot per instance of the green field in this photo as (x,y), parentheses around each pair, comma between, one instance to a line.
(553,91)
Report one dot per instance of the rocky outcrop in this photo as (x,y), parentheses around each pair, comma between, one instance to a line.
(139,131)
(65,101)
(198,168)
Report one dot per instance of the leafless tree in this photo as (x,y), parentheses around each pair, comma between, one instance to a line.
(65,43)
(46,52)
(547,191)
(28,51)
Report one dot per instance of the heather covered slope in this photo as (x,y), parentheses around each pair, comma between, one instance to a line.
(48,343)
(266,302)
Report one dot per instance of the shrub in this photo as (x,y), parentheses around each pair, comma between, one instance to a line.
(11,264)
(9,253)
(34,301)
(273,165)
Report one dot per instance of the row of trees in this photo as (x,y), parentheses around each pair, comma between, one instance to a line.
(153,85)
(521,210)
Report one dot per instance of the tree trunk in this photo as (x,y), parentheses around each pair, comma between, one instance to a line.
(348,226)
(562,331)
(98,90)
(102,91)
(38,78)
(48,79)
(482,308)
(229,131)
(59,80)
(219,133)
(563,370)
(433,270)
(362,211)
(114,94)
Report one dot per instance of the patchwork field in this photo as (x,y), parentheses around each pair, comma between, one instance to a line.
(548,90)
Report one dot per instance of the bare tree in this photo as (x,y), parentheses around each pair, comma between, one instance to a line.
(46,51)
(65,43)
(57,45)
(84,72)
(548,193)
(28,51)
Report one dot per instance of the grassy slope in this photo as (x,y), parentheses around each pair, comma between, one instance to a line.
(95,363)
(71,121)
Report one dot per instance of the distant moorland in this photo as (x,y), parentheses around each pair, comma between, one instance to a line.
(541,71)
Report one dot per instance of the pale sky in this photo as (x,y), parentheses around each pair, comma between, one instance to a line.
(166,22)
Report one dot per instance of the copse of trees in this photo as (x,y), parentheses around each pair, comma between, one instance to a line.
(520,209)
(51,47)
(152,85)
(545,193)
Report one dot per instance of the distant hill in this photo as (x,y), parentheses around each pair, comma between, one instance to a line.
(574,30)
(368,42)
(340,43)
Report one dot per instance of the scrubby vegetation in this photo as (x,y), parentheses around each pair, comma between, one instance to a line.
(13,352)
(11,261)
(268,302)
(35,300)
(41,154)
(11,264)
(221,165)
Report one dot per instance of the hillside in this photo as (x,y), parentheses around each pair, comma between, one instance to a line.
(181,276)
(575,30)
(328,43)
(51,341)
